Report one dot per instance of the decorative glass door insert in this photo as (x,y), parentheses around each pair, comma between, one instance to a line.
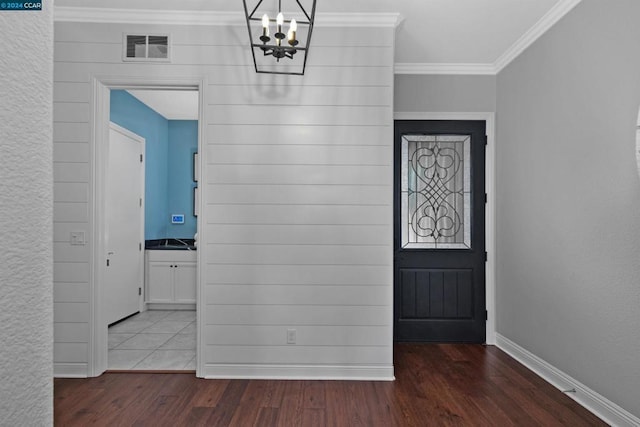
(436,192)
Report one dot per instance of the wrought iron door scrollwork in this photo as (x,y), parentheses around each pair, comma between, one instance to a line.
(436,196)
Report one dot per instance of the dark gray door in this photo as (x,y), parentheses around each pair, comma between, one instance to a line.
(439,231)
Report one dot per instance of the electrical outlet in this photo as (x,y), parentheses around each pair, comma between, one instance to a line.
(291,336)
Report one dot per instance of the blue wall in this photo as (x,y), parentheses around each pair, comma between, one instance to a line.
(183,142)
(169,147)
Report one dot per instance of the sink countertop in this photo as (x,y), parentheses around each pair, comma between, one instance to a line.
(170,244)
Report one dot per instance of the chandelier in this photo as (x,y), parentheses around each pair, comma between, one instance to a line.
(276,35)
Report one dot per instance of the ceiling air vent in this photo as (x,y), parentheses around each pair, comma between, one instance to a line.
(146,47)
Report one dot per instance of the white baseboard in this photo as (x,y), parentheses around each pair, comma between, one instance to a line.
(299,372)
(594,402)
(70,370)
(171,306)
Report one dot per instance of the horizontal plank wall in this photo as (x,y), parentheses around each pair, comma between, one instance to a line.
(297,193)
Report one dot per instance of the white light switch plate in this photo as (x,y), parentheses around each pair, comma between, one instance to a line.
(77,238)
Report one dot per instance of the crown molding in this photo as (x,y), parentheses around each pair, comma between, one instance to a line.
(443,68)
(193,17)
(549,19)
(359,19)
(199,17)
(145,16)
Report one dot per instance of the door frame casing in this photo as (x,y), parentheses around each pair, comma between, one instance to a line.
(490,208)
(99,127)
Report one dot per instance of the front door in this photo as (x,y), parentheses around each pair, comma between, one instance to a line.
(439,231)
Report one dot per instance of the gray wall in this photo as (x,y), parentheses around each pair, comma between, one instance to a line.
(26,314)
(440,93)
(568,235)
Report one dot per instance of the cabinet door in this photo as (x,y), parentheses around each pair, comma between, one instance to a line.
(185,282)
(160,282)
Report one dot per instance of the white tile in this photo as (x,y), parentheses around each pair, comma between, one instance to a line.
(154,315)
(117,339)
(167,359)
(131,326)
(189,316)
(145,341)
(166,327)
(180,342)
(126,359)
(154,339)
(189,329)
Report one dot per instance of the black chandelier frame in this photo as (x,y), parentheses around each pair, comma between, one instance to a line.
(282,47)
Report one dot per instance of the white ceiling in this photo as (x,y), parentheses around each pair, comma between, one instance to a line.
(433,37)
(171,104)
(434,33)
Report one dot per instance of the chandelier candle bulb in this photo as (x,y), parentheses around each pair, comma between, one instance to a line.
(292,32)
(280,21)
(265,25)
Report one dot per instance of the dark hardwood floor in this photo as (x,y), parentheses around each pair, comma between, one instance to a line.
(436,385)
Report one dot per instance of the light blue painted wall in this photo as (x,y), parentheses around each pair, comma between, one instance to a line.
(128,112)
(170,145)
(183,142)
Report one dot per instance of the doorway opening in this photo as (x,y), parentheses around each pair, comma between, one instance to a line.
(151,322)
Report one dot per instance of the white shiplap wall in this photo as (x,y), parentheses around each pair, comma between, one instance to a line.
(297,222)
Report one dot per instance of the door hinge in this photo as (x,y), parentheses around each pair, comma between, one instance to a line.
(139,291)
(139,246)
(140,158)
(486,315)
(486,198)
(486,256)
(107,262)
(140,201)
(486,140)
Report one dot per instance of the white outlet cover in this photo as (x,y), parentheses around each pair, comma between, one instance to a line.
(291,336)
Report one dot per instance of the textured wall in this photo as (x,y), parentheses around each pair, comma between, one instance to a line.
(569,199)
(26,314)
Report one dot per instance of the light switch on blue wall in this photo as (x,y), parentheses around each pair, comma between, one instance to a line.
(177,219)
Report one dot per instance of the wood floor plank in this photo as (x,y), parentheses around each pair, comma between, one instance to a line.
(221,415)
(314,395)
(267,417)
(436,385)
(313,417)
(290,413)
(250,403)
(209,392)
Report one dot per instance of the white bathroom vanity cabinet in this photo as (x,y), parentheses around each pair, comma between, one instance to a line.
(170,277)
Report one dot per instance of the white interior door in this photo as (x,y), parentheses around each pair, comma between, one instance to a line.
(124,214)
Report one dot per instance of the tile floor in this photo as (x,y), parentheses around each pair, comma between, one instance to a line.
(154,340)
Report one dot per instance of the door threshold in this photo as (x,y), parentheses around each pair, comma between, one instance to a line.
(150,371)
